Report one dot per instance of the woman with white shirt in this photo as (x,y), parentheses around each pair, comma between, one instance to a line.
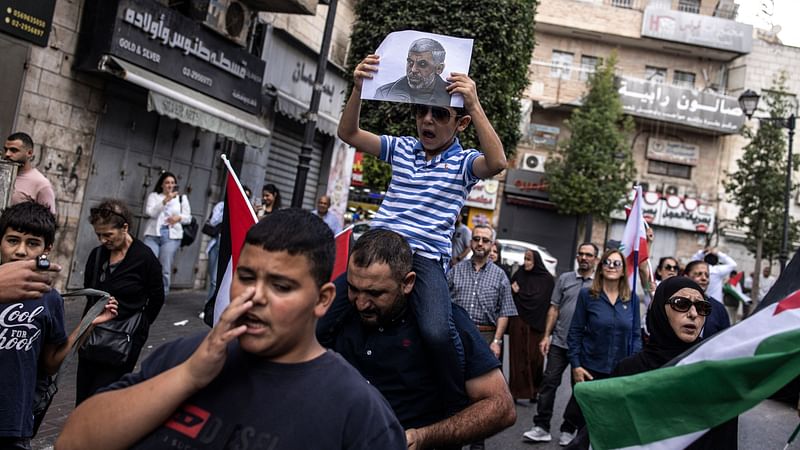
(166,211)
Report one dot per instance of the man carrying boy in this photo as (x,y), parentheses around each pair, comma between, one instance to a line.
(259,378)
(32,335)
(431,177)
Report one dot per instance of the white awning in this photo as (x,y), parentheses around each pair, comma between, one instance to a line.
(298,110)
(178,102)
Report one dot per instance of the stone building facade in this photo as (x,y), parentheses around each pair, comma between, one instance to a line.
(756,71)
(678,146)
(96,134)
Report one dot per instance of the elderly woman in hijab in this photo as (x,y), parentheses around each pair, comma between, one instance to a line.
(531,286)
(675,318)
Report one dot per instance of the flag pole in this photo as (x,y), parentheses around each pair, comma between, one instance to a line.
(792,437)
(239,185)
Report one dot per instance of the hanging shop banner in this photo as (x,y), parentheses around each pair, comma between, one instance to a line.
(27,20)
(672,211)
(706,110)
(483,195)
(697,29)
(167,43)
(339,177)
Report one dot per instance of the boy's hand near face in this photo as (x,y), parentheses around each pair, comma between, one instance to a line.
(209,358)
(21,280)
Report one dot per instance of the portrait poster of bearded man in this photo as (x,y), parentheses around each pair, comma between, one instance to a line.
(414,67)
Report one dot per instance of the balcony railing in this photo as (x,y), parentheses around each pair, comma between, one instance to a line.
(627,4)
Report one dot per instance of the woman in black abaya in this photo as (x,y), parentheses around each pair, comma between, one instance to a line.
(532,286)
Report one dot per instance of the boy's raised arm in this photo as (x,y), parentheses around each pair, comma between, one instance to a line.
(493,160)
(349,129)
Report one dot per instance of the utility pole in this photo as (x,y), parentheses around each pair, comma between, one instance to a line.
(311,116)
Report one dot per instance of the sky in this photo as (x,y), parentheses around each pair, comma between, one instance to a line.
(762,13)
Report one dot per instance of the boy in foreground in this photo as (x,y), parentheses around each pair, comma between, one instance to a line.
(32,336)
(259,378)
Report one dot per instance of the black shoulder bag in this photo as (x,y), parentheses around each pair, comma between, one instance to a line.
(112,342)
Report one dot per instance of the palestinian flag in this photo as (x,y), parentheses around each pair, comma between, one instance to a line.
(634,239)
(237,219)
(734,288)
(710,384)
(343,240)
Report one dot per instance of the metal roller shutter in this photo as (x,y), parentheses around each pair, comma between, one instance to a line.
(287,137)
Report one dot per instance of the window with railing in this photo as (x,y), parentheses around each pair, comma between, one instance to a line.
(622,3)
(683,79)
(561,64)
(689,6)
(669,169)
(588,66)
(655,74)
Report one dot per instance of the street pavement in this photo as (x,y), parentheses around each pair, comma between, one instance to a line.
(767,426)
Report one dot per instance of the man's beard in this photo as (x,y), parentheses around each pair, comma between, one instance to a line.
(421,83)
(384,318)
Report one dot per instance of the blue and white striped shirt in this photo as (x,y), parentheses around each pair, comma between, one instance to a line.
(424,197)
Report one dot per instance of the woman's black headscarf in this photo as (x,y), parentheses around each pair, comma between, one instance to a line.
(535,287)
(664,344)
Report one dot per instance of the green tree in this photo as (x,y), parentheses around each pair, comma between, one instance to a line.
(502,31)
(757,187)
(589,174)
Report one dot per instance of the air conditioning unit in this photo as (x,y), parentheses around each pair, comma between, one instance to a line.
(672,190)
(230,18)
(533,162)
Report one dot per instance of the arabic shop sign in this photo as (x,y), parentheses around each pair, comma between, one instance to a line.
(673,151)
(696,29)
(292,69)
(165,42)
(679,105)
(27,20)
(483,195)
(527,184)
(683,213)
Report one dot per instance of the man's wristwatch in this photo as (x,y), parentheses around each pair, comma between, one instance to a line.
(497,341)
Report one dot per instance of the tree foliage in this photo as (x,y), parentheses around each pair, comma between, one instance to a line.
(590,173)
(759,183)
(502,31)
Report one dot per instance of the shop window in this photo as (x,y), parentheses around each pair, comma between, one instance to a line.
(561,65)
(588,66)
(669,169)
(655,74)
(683,79)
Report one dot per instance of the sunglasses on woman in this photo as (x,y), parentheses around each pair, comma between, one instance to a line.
(439,114)
(612,263)
(683,304)
(670,268)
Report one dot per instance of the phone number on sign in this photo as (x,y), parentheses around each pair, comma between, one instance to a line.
(197,76)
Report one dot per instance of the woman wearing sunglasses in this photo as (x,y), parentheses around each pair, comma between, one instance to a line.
(668,267)
(675,318)
(604,329)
